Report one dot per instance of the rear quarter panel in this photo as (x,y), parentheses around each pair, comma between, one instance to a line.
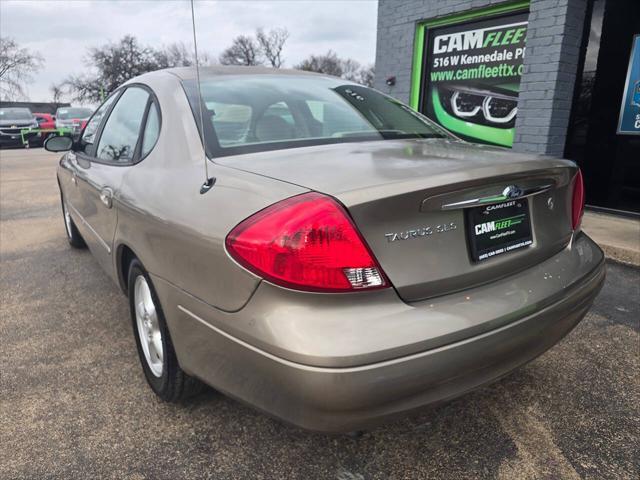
(176,232)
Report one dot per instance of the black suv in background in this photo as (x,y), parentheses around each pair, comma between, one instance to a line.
(18,127)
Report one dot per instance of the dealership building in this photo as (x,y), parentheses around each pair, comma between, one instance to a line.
(557,78)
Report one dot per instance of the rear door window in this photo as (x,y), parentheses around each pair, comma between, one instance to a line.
(90,131)
(151,130)
(119,137)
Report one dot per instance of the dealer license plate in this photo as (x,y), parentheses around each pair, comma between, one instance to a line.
(499,228)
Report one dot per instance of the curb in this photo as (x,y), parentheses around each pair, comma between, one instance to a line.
(621,255)
(618,237)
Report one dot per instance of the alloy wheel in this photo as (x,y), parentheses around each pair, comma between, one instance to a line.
(148,326)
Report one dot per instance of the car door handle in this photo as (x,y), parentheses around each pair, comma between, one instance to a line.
(106,197)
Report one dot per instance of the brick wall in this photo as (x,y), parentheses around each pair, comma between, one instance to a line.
(546,89)
(554,36)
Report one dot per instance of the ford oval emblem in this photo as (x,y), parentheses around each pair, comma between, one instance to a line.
(512,191)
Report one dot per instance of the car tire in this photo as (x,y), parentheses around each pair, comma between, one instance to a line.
(153,342)
(73,235)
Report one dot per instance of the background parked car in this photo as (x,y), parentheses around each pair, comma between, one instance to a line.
(46,121)
(73,118)
(47,124)
(18,127)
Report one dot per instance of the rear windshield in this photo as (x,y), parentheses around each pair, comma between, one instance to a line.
(245,114)
(15,114)
(68,113)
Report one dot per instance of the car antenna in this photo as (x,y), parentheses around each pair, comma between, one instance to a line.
(208,181)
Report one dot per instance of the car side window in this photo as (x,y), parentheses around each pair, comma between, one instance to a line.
(89,134)
(119,137)
(151,130)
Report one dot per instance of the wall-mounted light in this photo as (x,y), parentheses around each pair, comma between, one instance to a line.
(391,81)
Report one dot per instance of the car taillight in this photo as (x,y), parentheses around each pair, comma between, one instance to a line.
(577,207)
(307,242)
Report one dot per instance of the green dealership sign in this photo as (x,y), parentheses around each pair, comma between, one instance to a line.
(467,72)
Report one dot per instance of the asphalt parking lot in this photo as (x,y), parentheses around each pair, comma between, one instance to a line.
(74,402)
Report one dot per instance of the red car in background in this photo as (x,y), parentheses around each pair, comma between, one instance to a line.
(46,121)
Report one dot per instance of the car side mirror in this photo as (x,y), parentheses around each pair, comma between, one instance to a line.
(58,144)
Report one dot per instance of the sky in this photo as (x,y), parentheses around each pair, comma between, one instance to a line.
(61,31)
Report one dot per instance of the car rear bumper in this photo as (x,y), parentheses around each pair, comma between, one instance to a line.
(337,399)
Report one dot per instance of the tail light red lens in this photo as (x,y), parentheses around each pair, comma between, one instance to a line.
(307,242)
(577,208)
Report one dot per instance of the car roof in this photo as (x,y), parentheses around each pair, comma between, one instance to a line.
(15,109)
(189,73)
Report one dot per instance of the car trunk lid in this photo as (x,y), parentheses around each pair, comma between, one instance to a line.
(411,201)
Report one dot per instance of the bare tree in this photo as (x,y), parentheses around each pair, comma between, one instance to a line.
(359,74)
(57,92)
(366,76)
(244,50)
(350,69)
(331,64)
(272,44)
(177,55)
(17,65)
(114,64)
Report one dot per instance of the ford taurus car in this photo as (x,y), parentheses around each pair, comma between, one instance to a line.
(317,249)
